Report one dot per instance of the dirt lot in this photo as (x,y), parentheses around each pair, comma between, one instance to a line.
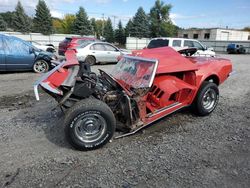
(179,151)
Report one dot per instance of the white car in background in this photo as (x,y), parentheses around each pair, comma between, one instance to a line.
(98,52)
(46,47)
(182,43)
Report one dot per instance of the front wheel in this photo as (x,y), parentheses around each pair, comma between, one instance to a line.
(206,99)
(41,66)
(89,124)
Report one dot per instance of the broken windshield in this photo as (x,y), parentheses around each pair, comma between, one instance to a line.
(135,72)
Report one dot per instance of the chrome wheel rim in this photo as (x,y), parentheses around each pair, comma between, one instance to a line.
(41,66)
(209,99)
(90,127)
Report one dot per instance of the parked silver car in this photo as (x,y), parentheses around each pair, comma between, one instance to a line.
(98,52)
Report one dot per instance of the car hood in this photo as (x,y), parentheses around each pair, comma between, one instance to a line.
(170,61)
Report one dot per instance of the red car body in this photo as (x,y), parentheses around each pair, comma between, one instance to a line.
(193,71)
(72,42)
(143,87)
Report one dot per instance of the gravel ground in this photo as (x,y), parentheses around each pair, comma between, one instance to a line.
(181,150)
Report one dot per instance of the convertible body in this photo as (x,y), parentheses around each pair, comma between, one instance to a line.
(143,87)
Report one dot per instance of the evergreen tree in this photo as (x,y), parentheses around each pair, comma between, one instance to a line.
(108,31)
(7,17)
(82,25)
(21,22)
(129,28)
(3,25)
(140,24)
(159,16)
(43,19)
(93,26)
(120,34)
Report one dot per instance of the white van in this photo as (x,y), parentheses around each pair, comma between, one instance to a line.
(181,43)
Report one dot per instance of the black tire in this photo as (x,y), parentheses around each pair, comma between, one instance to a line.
(41,66)
(90,60)
(89,124)
(206,99)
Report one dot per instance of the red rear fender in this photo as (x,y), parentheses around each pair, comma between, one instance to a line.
(63,74)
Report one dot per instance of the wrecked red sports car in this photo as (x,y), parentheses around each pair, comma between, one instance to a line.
(142,88)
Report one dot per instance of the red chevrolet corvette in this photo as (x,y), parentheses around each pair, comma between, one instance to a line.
(142,88)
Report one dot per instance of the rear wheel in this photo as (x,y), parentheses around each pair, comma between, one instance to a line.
(89,124)
(90,60)
(41,66)
(206,99)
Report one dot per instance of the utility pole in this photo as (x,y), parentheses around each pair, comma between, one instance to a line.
(102,24)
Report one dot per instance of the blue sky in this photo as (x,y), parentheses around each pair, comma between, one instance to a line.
(185,13)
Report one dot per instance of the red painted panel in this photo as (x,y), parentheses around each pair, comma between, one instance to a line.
(169,60)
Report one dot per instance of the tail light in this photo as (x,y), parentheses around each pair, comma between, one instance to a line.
(72,49)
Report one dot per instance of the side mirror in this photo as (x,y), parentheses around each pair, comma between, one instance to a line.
(31,50)
(204,48)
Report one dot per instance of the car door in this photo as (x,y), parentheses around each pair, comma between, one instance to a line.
(200,49)
(188,43)
(176,44)
(98,51)
(195,44)
(112,53)
(18,54)
(2,55)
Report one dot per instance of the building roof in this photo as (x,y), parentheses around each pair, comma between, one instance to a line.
(199,29)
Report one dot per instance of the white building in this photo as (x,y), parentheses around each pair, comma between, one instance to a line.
(215,34)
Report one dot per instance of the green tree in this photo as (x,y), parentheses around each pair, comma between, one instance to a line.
(246,29)
(129,28)
(82,25)
(108,31)
(7,17)
(93,26)
(159,16)
(68,23)
(140,24)
(100,27)
(57,25)
(20,21)
(3,25)
(120,34)
(43,19)
(169,29)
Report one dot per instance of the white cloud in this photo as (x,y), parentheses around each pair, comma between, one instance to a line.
(177,16)
(57,14)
